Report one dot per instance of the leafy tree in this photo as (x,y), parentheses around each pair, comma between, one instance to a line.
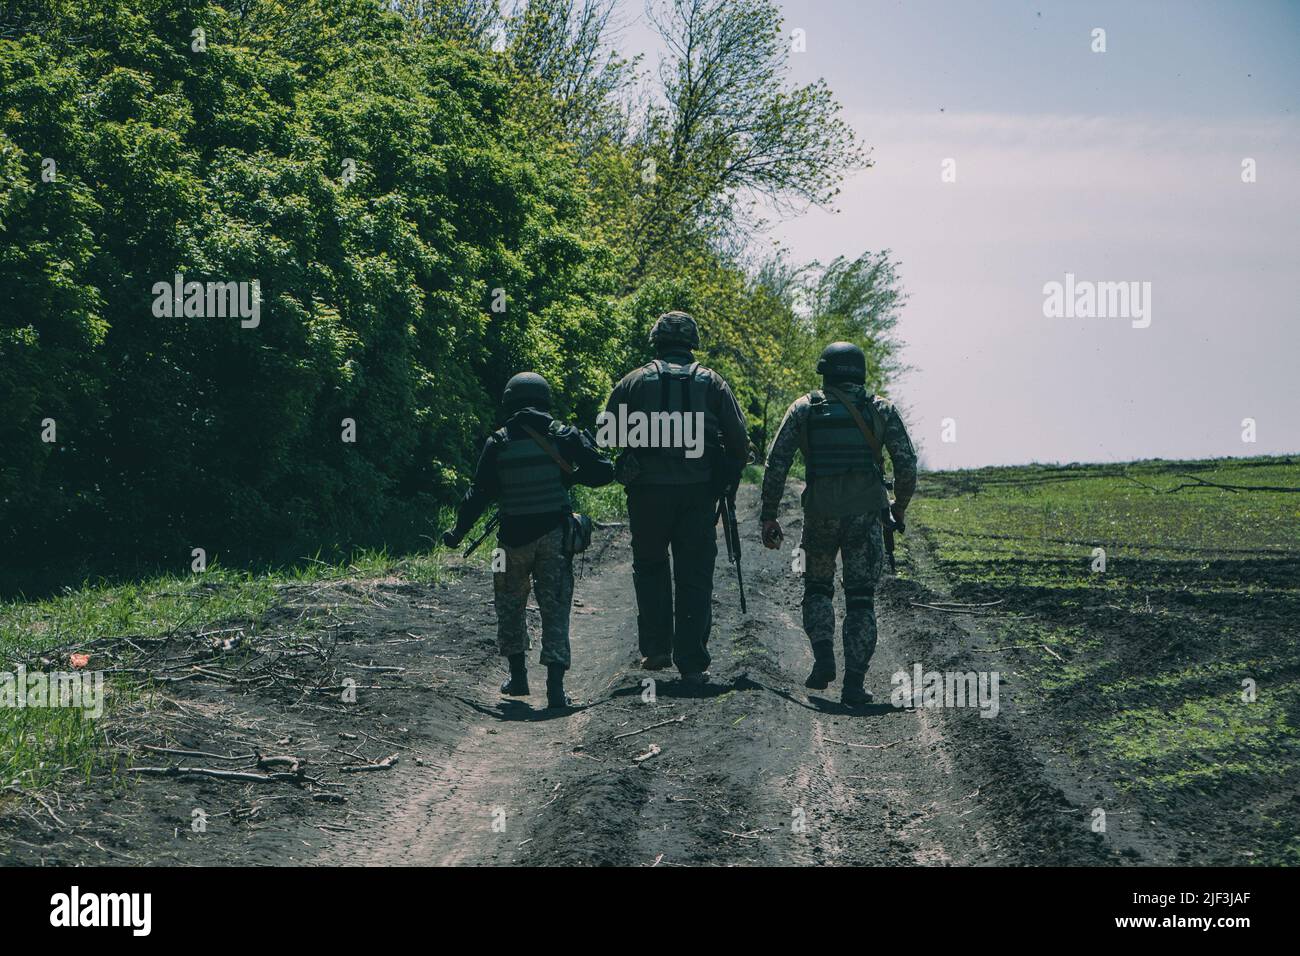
(431,195)
(730,131)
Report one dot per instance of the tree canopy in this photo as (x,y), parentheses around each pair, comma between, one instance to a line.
(431,196)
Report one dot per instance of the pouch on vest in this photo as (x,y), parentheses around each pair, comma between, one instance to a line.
(577,533)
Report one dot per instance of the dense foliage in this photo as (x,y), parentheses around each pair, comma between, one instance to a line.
(431,197)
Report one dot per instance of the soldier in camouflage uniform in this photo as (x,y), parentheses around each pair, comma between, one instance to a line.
(843,503)
(672,498)
(527,467)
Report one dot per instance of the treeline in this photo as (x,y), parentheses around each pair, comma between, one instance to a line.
(430,197)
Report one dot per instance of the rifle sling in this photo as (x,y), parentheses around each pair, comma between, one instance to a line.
(861,423)
(547,447)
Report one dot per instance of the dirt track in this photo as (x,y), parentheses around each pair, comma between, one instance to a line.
(755,771)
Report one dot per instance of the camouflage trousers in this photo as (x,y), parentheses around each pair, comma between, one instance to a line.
(543,567)
(860,542)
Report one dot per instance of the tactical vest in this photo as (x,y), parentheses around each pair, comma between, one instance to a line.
(668,387)
(531,482)
(834,445)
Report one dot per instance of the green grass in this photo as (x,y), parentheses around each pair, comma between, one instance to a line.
(40,744)
(1201,590)
(608,503)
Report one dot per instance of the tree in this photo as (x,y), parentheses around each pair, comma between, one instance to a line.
(730,132)
(560,54)
(859,301)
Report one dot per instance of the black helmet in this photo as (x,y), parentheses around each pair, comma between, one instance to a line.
(675,328)
(843,362)
(526,389)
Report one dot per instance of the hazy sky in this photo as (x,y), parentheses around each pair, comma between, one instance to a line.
(1122,166)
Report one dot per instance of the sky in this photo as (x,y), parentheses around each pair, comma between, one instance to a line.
(1116,166)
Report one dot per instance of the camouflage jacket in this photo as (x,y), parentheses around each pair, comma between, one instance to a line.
(790,437)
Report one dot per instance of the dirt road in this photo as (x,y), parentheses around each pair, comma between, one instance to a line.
(756,770)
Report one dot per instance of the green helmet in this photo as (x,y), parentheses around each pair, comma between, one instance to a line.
(526,389)
(675,328)
(843,362)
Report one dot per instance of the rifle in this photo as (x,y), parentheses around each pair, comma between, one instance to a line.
(889,525)
(487,530)
(731,531)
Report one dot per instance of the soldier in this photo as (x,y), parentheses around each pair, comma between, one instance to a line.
(841,430)
(673,492)
(527,467)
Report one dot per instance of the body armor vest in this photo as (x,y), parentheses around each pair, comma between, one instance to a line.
(834,443)
(531,482)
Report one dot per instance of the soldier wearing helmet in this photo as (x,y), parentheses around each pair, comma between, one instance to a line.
(527,467)
(842,431)
(672,495)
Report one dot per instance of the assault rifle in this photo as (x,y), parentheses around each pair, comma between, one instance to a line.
(731,531)
(487,530)
(889,525)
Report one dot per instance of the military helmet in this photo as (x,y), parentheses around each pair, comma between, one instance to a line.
(675,328)
(526,388)
(843,361)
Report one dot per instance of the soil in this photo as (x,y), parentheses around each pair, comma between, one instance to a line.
(753,770)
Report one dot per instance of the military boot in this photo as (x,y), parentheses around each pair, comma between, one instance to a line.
(853,694)
(555,695)
(823,670)
(516,685)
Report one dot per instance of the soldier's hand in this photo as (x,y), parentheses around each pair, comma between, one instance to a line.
(772,534)
(450,539)
(897,514)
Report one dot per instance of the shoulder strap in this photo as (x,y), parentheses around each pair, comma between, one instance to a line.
(814,398)
(860,422)
(547,447)
(662,368)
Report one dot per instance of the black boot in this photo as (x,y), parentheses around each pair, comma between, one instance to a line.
(516,685)
(853,694)
(555,695)
(823,670)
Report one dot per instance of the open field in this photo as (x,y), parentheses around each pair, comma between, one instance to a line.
(1135,675)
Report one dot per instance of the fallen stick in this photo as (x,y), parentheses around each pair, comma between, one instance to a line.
(196,753)
(388,763)
(1053,653)
(240,775)
(654,751)
(28,793)
(832,740)
(950,610)
(228,678)
(960,604)
(1203,483)
(633,733)
(269,763)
